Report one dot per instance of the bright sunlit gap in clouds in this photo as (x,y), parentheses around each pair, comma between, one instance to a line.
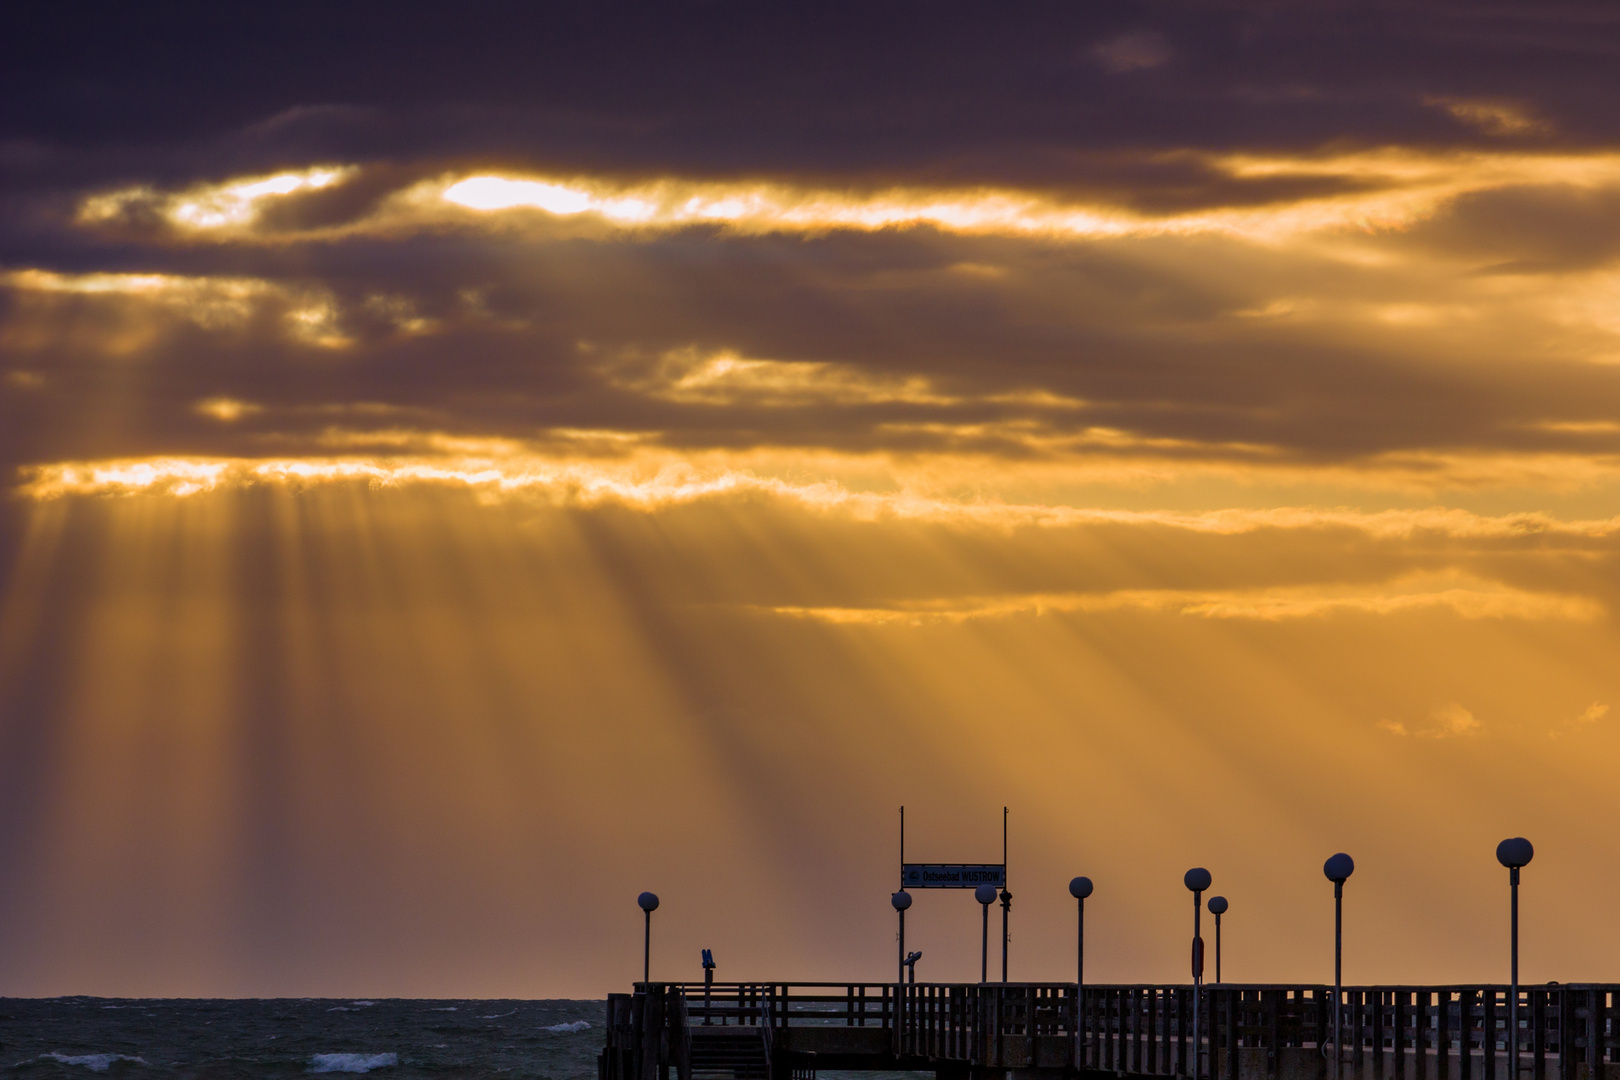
(1459,594)
(505,469)
(654,488)
(1380,189)
(307,312)
(213,206)
(1387,189)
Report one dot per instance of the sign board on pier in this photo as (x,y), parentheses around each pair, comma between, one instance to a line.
(953,875)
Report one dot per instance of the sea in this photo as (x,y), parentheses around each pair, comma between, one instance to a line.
(83,1038)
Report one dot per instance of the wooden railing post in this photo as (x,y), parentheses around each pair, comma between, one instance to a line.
(1183,1036)
(985,1020)
(1487,1040)
(1466,1029)
(1155,1053)
(1437,1033)
(1375,1002)
(1398,1015)
(1358,1021)
(680,1036)
(1323,1008)
(1077,1049)
(1420,1023)
(1594,1033)
(652,1031)
(1269,1009)
(1234,1007)
(1098,1028)
(1566,1034)
(1538,1034)
(908,1018)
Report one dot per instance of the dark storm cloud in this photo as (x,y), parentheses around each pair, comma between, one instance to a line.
(511,337)
(312,322)
(964,90)
(1529,230)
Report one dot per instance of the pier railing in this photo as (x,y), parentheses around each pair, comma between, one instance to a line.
(1566,1032)
(1249,1032)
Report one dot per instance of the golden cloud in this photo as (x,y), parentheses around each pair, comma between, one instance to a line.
(1493,117)
(1388,189)
(1448,721)
(722,377)
(309,314)
(510,468)
(1461,595)
(226,410)
(229,207)
(1379,189)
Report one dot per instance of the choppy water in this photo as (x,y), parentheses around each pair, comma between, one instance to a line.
(136,1039)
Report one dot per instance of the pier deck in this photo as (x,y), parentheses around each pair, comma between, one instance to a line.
(1048,1031)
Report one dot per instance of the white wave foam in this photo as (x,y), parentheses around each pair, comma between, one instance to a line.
(93,1062)
(577,1025)
(351,1063)
(362,1003)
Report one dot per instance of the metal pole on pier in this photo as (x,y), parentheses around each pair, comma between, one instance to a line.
(1006,897)
(1080,888)
(1217,907)
(1197,879)
(901,900)
(1514,854)
(985,895)
(649,904)
(1006,907)
(1338,869)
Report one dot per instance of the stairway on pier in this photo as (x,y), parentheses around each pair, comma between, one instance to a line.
(729,1053)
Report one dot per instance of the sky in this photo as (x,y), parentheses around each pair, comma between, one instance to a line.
(466,466)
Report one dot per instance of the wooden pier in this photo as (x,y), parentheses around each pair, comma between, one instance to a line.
(1046,1031)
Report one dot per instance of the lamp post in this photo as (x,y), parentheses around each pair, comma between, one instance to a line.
(1217,908)
(985,895)
(1080,888)
(1197,880)
(648,903)
(1513,854)
(901,900)
(1338,870)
